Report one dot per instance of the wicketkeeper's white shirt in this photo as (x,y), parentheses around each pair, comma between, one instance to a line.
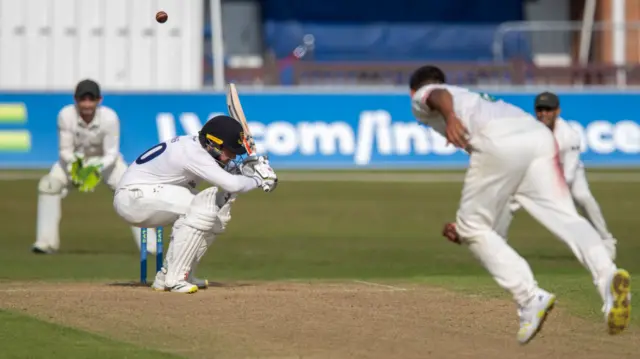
(99,138)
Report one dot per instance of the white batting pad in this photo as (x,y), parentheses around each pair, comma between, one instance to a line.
(204,245)
(203,210)
(49,215)
(182,252)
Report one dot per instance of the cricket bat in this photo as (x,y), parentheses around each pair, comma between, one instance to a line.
(235,111)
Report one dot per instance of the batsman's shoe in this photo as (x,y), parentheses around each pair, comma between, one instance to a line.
(184,287)
(533,316)
(158,283)
(617,306)
(201,283)
(158,286)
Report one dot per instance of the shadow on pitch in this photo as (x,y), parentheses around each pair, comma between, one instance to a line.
(211,284)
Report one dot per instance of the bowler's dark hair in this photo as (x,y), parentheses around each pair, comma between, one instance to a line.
(426,74)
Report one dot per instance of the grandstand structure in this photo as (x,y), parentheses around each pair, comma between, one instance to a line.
(52,44)
(488,42)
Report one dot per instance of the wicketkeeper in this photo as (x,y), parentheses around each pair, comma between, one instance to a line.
(547,108)
(89,153)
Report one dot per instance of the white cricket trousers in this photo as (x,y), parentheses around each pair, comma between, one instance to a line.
(518,157)
(162,205)
(150,206)
(56,185)
(583,199)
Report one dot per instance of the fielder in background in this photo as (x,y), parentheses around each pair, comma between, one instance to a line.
(512,154)
(89,151)
(159,189)
(547,108)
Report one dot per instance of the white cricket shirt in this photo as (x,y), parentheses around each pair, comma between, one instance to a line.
(183,162)
(568,141)
(472,108)
(99,138)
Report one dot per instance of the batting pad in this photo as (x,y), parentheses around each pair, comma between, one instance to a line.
(186,243)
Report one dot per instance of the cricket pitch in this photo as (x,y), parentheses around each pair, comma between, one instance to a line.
(312,319)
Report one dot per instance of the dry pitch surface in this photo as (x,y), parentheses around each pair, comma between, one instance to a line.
(313,320)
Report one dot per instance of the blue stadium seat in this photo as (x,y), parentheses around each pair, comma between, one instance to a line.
(396,11)
(432,42)
(356,31)
(392,42)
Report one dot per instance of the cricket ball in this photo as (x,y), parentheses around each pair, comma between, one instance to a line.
(162,17)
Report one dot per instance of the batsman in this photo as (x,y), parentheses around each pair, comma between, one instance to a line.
(160,189)
(89,153)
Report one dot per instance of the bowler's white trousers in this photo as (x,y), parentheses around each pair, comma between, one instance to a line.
(518,157)
(583,199)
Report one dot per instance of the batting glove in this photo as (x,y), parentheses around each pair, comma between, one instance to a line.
(258,167)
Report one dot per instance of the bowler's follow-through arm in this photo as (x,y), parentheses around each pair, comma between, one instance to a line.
(441,100)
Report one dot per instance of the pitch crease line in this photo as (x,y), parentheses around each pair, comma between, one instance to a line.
(374,284)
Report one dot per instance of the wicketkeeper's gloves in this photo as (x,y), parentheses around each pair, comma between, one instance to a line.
(86,177)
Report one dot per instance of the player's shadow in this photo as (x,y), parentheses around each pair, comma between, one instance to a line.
(211,284)
(93,252)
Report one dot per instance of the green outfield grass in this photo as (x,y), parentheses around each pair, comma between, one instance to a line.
(25,337)
(304,230)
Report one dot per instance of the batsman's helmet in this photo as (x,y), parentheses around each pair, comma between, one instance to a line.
(222,132)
